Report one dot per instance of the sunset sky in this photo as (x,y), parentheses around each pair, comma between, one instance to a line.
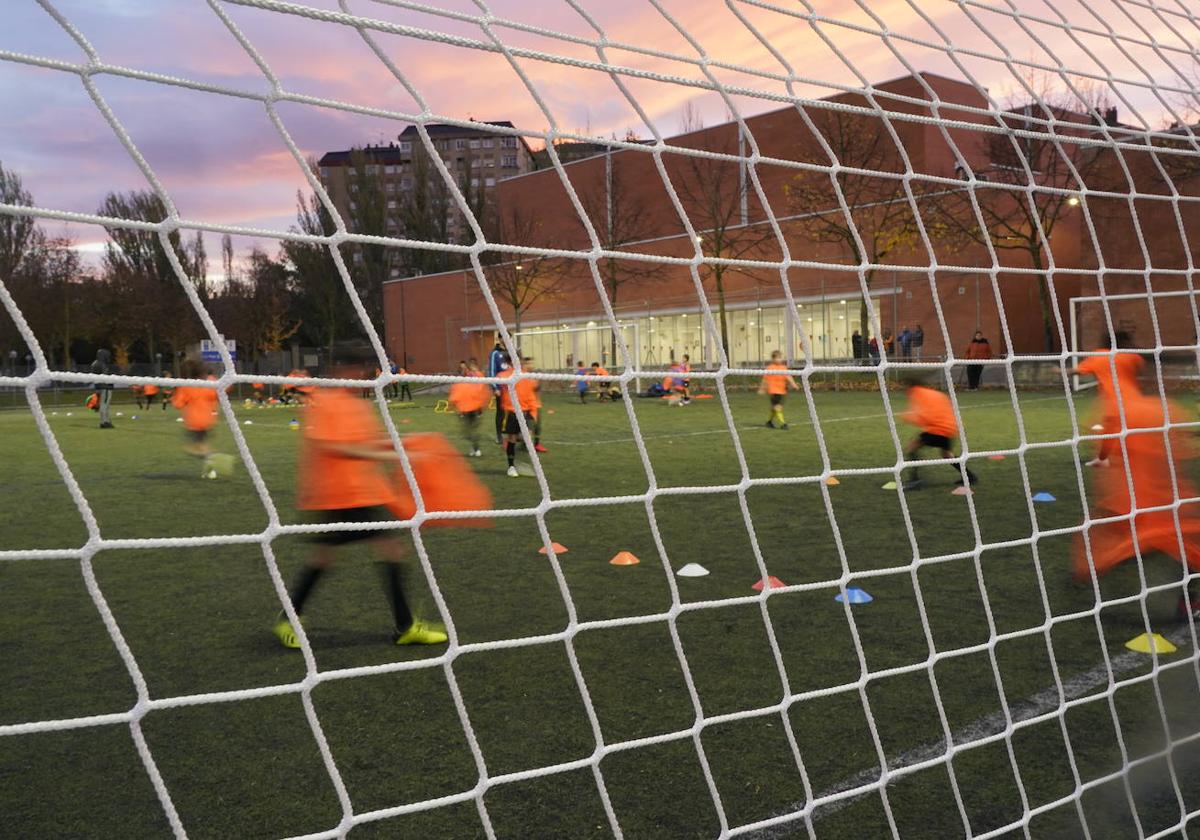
(221,159)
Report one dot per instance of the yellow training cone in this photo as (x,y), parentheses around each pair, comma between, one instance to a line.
(1148,642)
(624,558)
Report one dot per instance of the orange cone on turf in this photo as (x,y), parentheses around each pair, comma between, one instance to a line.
(832,481)
(773,582)
(559,548)
(624,558)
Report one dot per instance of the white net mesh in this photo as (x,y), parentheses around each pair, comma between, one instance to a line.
(1059,153)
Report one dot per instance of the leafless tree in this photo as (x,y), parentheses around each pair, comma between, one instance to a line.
(1034,175)
(521,283)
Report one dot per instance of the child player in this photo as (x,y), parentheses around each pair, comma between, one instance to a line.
(341,480)
(1127,366)
(198,406)
(1147,462)
(604,388)
(469,400)
(526,396)
(581,384)
(931,412)
(776,385)
(535,410)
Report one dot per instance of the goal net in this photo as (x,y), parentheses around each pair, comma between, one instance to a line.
(732,628)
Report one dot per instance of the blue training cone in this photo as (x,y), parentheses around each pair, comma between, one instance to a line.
(854,596)
(1043,497)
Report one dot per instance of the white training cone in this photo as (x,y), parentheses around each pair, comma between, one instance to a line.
(692,570)
(247,422)
(1097,428)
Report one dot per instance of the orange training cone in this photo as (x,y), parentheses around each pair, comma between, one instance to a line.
(624,558)
(773,582)
(559,548)
(832,481)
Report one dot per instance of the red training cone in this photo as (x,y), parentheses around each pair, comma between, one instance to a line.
(773,582)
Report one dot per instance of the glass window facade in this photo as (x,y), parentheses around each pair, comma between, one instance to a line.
(661,340)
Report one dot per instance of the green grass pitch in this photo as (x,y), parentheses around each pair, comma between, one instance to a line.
(197,620)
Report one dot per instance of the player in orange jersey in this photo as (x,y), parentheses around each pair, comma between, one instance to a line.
(535,410)
(932,413)
(525,398)
(198,405)
(1127,367)
(150,393)
(776,385)
(1159,479)
(342,480)
(469,400)
(604,389)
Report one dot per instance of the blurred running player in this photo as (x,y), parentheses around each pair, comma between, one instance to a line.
(1127,367)
(932,413)
(342,480)
(1159,478)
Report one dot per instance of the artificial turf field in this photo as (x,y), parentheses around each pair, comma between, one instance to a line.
(197,620)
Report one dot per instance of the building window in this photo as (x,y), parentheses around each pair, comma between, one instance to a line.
(351,171)
(474,182)
(395,273)
(509,161)
(460,144)
(358,258)
(391,204)
(476,163)
(389,170)
(324,172)
(354,188)
(372,169)
(405,183)
(389,187)
(405,145)
(353,205)
(474,144)
(489,182)
(488,142)
(508,142)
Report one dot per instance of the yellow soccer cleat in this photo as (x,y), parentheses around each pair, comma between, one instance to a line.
(422,633)
(286,634)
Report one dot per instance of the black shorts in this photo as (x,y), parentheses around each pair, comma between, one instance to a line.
(197,435)
(376,513)
(936,441)
(512,425)
(471,416)
(776,399)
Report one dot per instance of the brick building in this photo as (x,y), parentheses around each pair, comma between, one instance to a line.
(730,204)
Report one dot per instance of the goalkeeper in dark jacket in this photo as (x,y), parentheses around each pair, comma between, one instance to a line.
(103,389)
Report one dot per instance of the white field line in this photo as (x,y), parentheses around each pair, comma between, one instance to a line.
(758,426)
(1041,703)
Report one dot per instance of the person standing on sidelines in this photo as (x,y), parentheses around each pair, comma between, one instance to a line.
(918,341)
(103,390)
(497,363)
(978,350)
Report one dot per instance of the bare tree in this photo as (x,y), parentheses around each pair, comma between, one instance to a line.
(619,220)
(1034,174)
(17,233)
(323,302)
(878,222)
(521,283)
(713,195)
(372,263)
